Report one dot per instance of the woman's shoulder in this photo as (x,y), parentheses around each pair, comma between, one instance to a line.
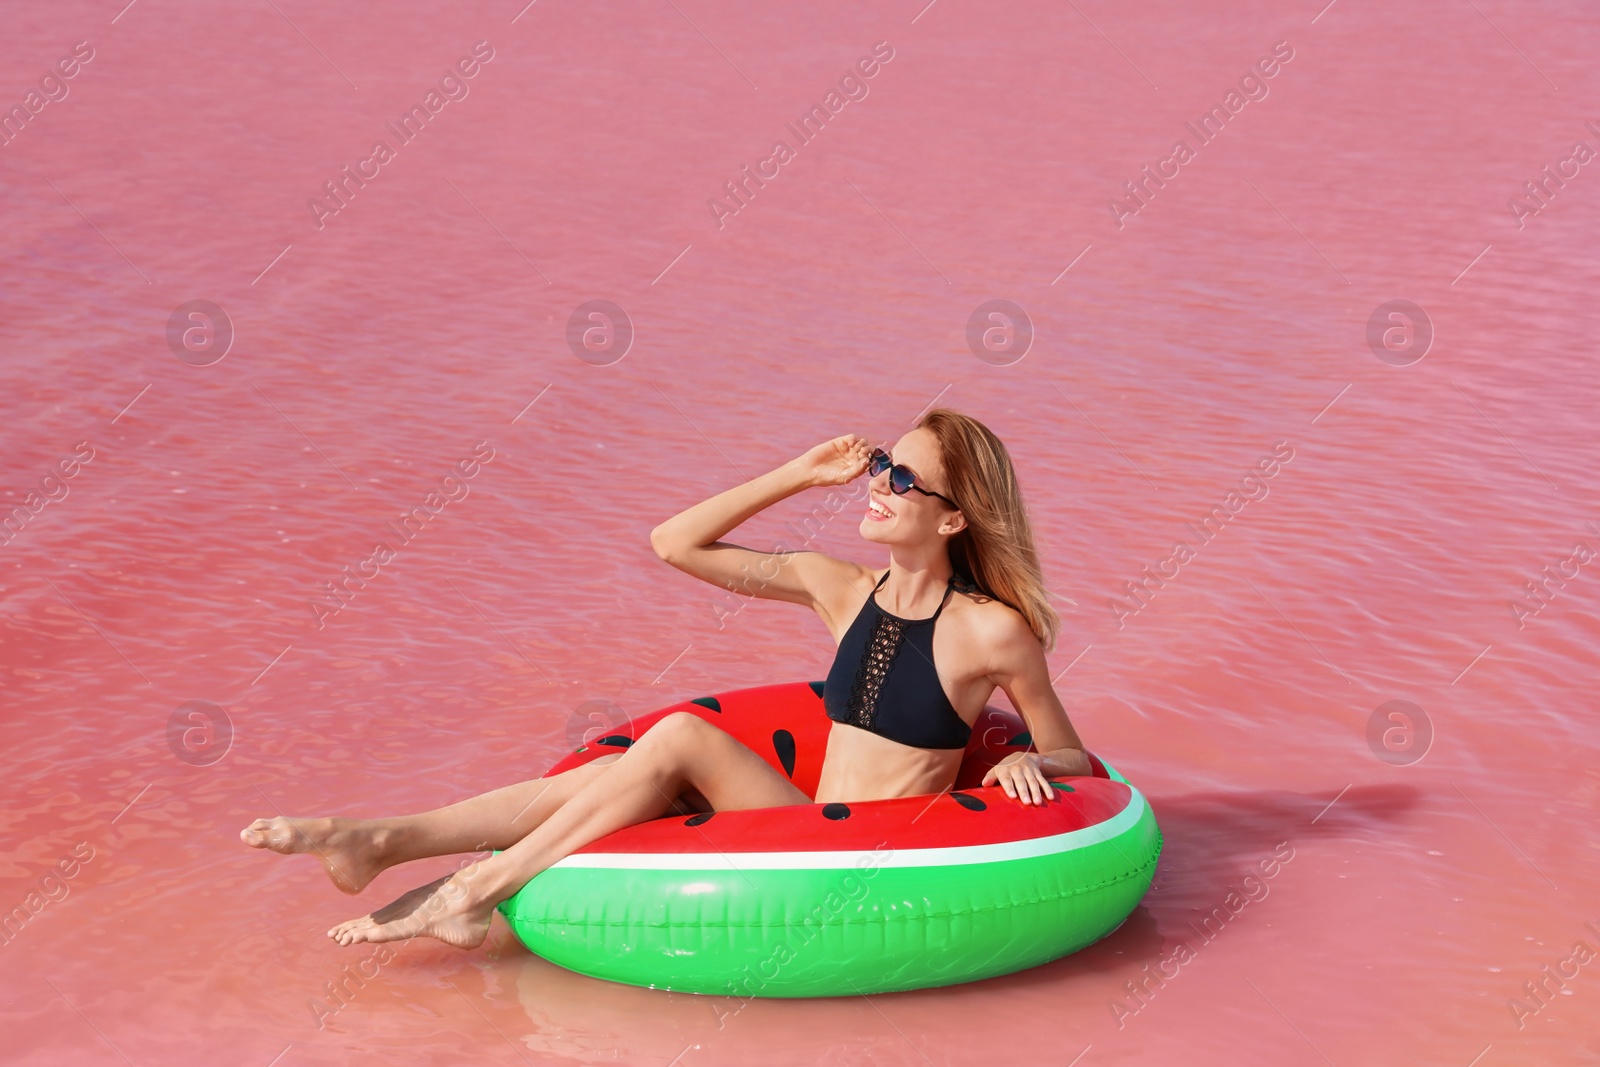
(977,598)
(987,619)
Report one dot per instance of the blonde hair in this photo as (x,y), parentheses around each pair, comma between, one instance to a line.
(994,554)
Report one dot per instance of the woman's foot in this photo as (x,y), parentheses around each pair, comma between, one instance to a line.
(351,852)
(442,909)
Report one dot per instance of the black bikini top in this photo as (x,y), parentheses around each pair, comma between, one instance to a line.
(883,679)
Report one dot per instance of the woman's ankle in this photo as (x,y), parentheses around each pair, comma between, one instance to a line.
(384,839)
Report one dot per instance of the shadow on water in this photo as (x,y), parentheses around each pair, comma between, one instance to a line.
(1211,843)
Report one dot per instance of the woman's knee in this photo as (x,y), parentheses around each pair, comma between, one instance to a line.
(675,729)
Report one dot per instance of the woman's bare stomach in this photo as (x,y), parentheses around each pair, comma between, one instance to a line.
(859,765)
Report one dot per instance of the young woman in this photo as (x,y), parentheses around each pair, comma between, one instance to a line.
(903,692)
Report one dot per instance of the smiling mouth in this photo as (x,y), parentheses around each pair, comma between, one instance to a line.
(878,510)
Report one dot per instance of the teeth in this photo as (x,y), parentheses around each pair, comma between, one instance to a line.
(880,509)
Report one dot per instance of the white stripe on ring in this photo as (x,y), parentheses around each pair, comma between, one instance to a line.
(947,856)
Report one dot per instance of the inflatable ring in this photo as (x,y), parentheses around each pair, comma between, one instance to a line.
(812,900)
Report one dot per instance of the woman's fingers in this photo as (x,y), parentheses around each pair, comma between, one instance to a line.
(1024,787)
(1022,781)
(855,462)
(840,459)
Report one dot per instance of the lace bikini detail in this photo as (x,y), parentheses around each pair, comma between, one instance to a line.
(880,651)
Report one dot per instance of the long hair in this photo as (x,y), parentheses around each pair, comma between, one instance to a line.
(995,552)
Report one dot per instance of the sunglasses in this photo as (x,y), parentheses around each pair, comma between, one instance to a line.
(901,479)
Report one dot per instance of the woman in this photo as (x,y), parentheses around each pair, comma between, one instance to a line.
(947,507)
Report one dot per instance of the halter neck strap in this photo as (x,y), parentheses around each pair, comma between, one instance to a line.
(942,602)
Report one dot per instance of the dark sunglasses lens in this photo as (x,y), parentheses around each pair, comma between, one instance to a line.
(880,461)
(900,480)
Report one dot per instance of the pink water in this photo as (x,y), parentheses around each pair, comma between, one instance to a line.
(1230,313)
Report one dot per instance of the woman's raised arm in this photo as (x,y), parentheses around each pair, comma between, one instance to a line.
(691,540)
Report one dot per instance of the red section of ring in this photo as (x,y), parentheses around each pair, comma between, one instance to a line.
(967,815)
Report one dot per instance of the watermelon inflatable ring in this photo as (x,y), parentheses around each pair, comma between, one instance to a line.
(815,900)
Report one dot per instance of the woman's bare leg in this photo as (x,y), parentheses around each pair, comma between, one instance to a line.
(355,851)
(680,752)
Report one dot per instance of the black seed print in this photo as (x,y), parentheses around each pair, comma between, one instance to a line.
(971,803)
(708,702)
(816,687)
(696,820)
(783,745)
(836,811)
(615,741)
(1022,740)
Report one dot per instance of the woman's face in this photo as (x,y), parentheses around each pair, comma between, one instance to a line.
(908,519)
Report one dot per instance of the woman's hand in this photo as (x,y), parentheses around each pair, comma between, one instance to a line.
(1022,777)
(835,462)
